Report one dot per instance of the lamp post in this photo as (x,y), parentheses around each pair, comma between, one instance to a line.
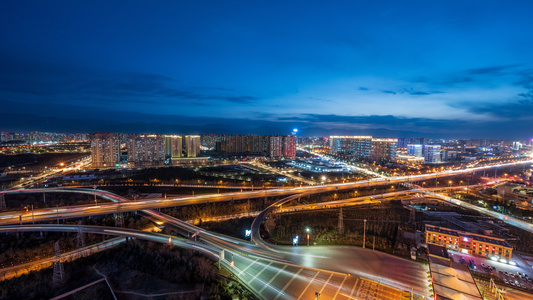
(95,201)
(308,231)
(364,232)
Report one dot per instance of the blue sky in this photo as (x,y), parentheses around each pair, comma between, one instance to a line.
(386,68)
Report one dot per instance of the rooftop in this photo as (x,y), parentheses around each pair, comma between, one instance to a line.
(474,236)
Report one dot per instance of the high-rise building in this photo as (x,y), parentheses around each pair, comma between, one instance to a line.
(289,146)
(517,145)
(192,145)
(358,146)
(173,146)
(145,150)
(383,149)
(6,136)
(449,154)
(404,141)
(105,150)
(276,146)
(432,154)
(211,140)
(414,150)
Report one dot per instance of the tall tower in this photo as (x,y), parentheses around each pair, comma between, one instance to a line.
(119,219)
(412,216)
(80,241)
(341,221)
(59,271)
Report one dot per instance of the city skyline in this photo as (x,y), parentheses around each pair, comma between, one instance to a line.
(449,70)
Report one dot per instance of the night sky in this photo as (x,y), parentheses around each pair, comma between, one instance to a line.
(460,69)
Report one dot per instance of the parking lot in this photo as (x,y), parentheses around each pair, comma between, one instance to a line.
(519,275)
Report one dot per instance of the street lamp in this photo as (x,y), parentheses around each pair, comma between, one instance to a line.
(364,233)
(308,231)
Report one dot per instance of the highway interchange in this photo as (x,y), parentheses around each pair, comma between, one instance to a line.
(271,272)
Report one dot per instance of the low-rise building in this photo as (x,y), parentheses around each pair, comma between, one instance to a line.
(467,242)
(521,195)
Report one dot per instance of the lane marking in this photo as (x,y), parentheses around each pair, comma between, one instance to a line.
(253,278)
(272,279)
(244,270)
(288,283)
(308,286)
(331,275)
(354,285)
(340,286)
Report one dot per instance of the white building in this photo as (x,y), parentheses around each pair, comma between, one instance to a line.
(432,154)
(414,150)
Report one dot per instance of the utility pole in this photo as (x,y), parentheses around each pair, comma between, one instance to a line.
(44,197)
(374,243)
(364,232)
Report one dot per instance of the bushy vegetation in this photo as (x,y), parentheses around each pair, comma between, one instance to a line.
(383,222)
(135,266)
(31,246)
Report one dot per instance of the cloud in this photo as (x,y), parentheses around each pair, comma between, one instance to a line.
(519,108)
(66,83)
(394,126)
(388,92)
(193,96)
(410,91)
(71,118)
(421,93)
(526,79)
(494,71)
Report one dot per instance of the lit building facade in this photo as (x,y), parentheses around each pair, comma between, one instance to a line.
(192,145)
(289,146)
(210,140)
(105,150)
(173,146)
(432,154)
(275,146)
(471,243)
(364,147)
(414,150)
(145,150)
(358,146)
(383,150)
